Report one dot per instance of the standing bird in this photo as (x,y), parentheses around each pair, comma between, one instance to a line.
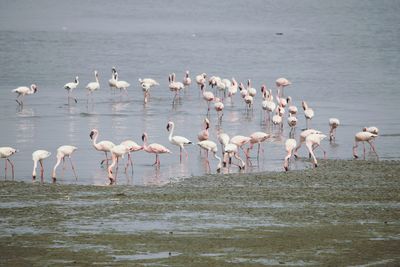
(231,150)
(312,142)
(154,148)
(290,144)
(364,137)
(93,86)
(186,80)
(251,90)
(302,139)
(292,108)
(112,82)
(268,103)
(210,146)
(177,140)
(281,83)
(223,139)
(174,86)
(308,113)
(147,84)
(5,153)
(333,124)
(204,134)
(121,85)
(70,87)
(116,152)
(292,122)
(62,152)
(133,147)
(257,138)
(207,96)
(201,79)
(232,89)
(39,156)
(219,108)
(240,141)
(22,91)
(103,146)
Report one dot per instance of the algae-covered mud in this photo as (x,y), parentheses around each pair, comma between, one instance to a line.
(342,213)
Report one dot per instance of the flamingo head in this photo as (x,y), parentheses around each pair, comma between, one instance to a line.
(202,87)
(240,86)
(76,79)
(263,88)
(144,136)
(93,132)
(169,125)
(34,88)
(113,70)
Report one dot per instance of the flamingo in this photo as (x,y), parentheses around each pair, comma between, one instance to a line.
(112,82)
(154,148)
(133,147)
(207,96)
(213,81)
(333,124)
(174,86)
(257,138)
(364,137)
(292,122)
(201,79)
(70,87)
(277,118)
(103,146)
(231,150)
(251,90)
(177,140)
(146,84)
(22,91)
(121,84)
(186,80)
(62,152)
(240,141)
(93,86)
(39,156)
(312,142)
(268,103)
(302,139)
(232,90)
(281,83)
(223,139)
(221,86)
(292,108)
(290,144)
(219,108)
(308,113)
(210,146)
(371,129)
(116,152)
(204,134)
(5,153)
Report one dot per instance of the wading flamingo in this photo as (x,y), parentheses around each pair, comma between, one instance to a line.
(133,147)
(204,134)
(174,86)
(5,153)
(201,79)
(333,124)
(39,156)
(210,146)
(116,152)
(177,140)
(257,138)
(290,144)
(121,85)
(62,152)
(70,87)
(231,150)
(154,148)
(22,91)
(103,146)
(186,80)
(281,83)
(146,84)
(312,142)
(240,141)
(292,122)
(308,113)
(112,82)
(364,137)
(93,86)
(302,139)
(208,96)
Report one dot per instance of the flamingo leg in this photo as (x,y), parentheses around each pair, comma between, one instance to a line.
(73,168)
(5,172)
(63,169)
(180,154)
(364,150)
(373,148)
(41,170)
(155,163)
(12,168)
(355,150)
(116,170)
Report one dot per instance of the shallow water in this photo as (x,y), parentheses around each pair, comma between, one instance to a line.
(342,57)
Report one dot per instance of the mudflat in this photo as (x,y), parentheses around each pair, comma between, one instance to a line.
(342,213)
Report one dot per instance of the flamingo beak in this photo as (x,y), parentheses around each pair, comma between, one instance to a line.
(168,127)
(143,137)
(91,135)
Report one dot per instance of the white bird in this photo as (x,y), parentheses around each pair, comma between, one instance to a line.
(116,152)
(154,148)
(233,88)
(112,82)
(103,146)
(308,113)
(22,91)
(186,80)
(277,118)
(290,144)
(312,142)
(292,122)
(240,141)
(292,108)
(281,83)
(133,147)
(219,108)
(121,85)
(62,152)
(231,150)
(333,124)
(251,90)
(147,84)
(93,86)
(177,140)
(257,138)
(210,146)
(39,156)
(207,96)
(371,129)
(268,103)
(302,139)
(364,137)
(5,153)
(223,139)
(70,87)
(201,79)
(174,86)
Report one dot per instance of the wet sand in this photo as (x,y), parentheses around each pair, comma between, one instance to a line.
(343,213)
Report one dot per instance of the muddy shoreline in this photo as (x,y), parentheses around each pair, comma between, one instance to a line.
(342,213)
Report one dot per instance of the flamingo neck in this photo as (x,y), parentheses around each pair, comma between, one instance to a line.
(94,141)
(171,133)
(34,168)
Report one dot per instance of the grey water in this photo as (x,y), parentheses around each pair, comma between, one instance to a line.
(342,57)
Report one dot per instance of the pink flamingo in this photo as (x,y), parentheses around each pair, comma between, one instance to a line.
(231,150)
(116,152)
(103,146)
(23,90)
(281,83)
(5,153)
(308,113)
(302,139)
(210,146)
(62,152)
(333,124)
(154,148)
(240,141)
(364,137)
(186,80)
(177,140)
(219,108)
(312,142)
(201,79)
(133,147)
(257,138)
(207,96)
(290,144)
(204,134)
(39,156)
(174,86)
